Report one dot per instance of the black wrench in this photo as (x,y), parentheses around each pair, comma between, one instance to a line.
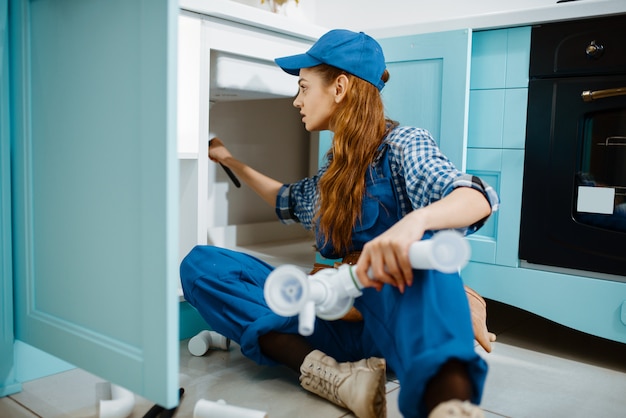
(228,171)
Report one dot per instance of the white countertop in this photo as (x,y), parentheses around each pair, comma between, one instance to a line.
(236,12)
(551,13)
(240,13)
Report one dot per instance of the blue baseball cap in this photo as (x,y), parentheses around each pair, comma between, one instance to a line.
(356,53)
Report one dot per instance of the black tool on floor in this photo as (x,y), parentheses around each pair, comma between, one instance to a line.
(230,174)
(157,411)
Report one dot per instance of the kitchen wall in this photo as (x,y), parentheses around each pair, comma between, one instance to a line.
(369,14)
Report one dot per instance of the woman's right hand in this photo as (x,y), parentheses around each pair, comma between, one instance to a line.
(218,153)
(264,186)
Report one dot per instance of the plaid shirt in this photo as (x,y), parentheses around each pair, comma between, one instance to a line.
(421,174)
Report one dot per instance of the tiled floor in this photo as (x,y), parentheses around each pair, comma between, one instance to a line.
(537,369)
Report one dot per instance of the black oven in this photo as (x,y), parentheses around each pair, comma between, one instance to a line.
(574,195)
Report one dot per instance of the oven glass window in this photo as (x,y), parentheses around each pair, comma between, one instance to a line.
(601,174)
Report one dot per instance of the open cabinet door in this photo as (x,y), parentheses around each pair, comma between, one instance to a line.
(95,187)
(8,384)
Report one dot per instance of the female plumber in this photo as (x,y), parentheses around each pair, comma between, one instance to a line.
(383,187)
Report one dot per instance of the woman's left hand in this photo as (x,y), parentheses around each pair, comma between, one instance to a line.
(387,256)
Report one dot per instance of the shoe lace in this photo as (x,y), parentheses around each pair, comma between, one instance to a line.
(325,381)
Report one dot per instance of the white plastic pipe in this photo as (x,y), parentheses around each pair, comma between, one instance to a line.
(120,405)
(205,340)
(447,251)
(329,294)
(306,319)
(219,409)
(287,290)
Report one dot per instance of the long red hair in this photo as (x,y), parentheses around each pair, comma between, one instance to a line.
(359,126)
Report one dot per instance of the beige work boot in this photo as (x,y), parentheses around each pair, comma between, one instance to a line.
(456,409)
(358,386)
(478,310)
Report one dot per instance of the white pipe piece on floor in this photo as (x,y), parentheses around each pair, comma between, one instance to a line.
(120,405)
(206,340)
(219,409)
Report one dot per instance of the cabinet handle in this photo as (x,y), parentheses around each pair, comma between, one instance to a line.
(589,96)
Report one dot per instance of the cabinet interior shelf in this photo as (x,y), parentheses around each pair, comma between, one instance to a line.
(187,155)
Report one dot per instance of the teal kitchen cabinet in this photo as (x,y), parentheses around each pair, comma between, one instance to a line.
(489,141)
(475,107)
(469,90)
(93,190)
(496,135)
(497,241)
(496,139)
(428,87)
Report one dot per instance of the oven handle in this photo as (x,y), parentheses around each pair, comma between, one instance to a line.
(589,96)
(609,141)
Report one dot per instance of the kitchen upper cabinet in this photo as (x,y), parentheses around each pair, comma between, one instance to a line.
(95,187)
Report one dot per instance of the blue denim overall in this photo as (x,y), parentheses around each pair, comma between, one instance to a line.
(416,332)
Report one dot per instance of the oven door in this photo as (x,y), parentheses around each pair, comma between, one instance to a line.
(574,195)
